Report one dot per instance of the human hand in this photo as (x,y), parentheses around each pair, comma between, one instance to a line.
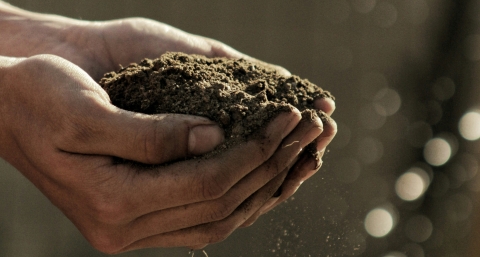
(98,47)
(60,130)
(305,165)
(101,46)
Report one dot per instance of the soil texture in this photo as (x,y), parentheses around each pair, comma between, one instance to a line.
(241,96)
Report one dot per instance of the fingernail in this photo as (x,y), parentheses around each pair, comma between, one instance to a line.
(204,138)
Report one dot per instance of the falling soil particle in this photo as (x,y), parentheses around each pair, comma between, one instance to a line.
(241,96)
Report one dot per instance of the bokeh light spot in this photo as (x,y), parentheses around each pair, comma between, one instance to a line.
(459,207)
(370,150)
(437,151)
(371,83)
(417,12)
(469,125)
(378,222)
(418,228)
(347,170)
(470,163)
(385,14)
(414,250)
(387,101)
(371,117)
(394,254)
(444,88)
(412,184)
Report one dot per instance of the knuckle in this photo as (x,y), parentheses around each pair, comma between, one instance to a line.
(109,212)
(162,135)
(79,130)
(105,241)
(76,129)
(152,141)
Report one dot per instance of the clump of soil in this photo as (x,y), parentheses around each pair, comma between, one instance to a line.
(239,95)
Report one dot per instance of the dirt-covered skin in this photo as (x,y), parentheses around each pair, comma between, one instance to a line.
(239,95)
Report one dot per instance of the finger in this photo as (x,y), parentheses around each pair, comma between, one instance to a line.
(325,104)
(212,232)
(257,214)
(308,164)
(306,167)
(150,139)
(201,179)
(195,44)
(219,49)
(271,201)
(218,209)
(329,132)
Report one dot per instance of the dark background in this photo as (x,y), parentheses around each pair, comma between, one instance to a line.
(403,72)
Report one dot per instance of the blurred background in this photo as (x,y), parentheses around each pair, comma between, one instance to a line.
(401,178)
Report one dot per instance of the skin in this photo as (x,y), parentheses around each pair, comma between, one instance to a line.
(60,131)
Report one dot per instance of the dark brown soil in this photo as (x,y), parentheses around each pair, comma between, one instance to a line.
(239,95)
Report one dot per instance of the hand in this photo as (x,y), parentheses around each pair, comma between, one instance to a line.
(100,47)
(60,131)
(90,46)
(305,165)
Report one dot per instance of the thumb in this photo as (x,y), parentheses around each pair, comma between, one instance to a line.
(150,139)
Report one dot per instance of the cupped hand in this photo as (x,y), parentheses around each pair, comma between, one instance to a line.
(128,40)
(62,133)
(68,119)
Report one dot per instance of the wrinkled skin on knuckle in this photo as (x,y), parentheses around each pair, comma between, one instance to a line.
(165,142)
(109,211)
(152,147)
(72,131)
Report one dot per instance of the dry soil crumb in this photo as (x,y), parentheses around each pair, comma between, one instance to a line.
(239,95)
